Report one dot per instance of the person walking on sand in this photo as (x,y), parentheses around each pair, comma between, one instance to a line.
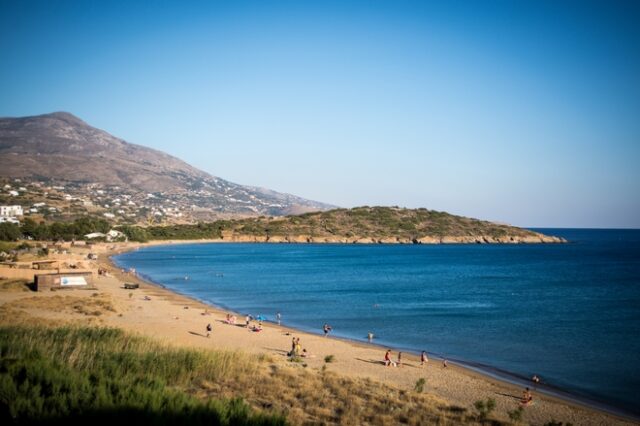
(278,317)
(444,363)
(387,359)
(399,359)
(208,329)
(247,320)
(423,358)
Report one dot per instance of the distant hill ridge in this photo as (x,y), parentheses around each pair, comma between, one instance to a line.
(62,147)
(389,225)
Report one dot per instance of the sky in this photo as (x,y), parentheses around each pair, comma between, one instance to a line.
(520,112)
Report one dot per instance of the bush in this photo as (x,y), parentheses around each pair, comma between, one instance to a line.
(9,232)
(516,415)
(329,358)
(419,387)
(484,408)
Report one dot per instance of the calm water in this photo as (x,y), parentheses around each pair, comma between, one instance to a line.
(569,313)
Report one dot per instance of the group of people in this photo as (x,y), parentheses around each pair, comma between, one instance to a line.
(398,363)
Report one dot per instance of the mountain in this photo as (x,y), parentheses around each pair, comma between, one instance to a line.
(61,149)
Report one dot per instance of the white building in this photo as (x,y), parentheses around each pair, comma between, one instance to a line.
(9,220)
(10,211)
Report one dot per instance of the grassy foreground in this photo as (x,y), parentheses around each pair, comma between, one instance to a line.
(72,374)
(63,375)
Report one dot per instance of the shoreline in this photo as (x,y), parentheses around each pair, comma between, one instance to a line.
(491,375)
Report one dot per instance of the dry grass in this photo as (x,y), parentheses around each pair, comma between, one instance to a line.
(14,285)
(95,305)
(321,397)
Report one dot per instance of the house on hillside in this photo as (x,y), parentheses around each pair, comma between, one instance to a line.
(112,235)
(11,211)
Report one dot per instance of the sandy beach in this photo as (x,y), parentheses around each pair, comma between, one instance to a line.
(166,316)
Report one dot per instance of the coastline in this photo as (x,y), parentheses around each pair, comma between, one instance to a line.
(179,321)
(581,410)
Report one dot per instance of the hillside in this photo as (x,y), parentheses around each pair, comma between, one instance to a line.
(358,225)
(60,150)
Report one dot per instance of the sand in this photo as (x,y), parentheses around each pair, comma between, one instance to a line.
(178,320)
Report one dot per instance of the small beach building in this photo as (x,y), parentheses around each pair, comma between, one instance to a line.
(63,280)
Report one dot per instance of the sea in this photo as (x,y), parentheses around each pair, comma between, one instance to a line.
(568,313)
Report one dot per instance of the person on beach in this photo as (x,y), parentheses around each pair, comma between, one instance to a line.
(370,337)
(326,328)
(444,363)
(247,320)
(293,347)
(209,329)
(527,398)
(399,362)
(387,359)
(278,317)
(423,358)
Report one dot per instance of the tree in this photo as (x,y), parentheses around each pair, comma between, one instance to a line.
(9,232)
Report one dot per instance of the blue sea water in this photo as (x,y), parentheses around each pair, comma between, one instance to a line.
(569,313)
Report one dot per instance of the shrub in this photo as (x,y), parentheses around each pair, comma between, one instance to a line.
(484,408)
(329,358)
(419,387)
(516,415)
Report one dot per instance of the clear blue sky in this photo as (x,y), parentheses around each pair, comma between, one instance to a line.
(521,112)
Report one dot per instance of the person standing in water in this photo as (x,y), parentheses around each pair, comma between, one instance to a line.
(370,337)
(278,317)
(326,328)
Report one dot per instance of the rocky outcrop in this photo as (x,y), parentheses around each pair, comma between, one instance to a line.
(535,238)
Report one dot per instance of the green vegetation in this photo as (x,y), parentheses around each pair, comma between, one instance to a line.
(9,232)
(516,415)
(329,358)
(62,375)
(419,387)
(367,223)
(484,408)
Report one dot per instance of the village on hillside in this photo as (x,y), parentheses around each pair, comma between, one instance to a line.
(63,201)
